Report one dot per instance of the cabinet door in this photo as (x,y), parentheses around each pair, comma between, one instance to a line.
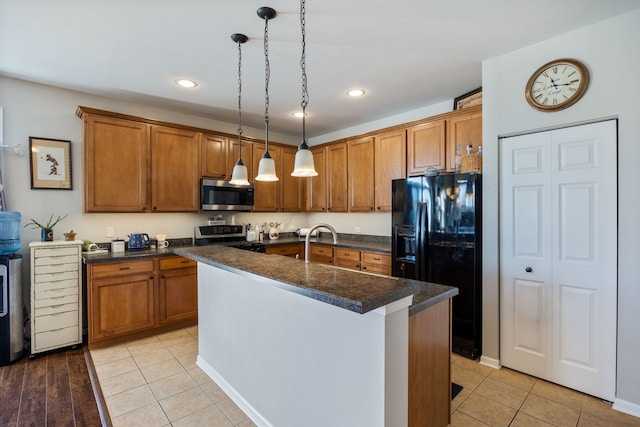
(266,194)
(465,129)
(321,253)
(317,185)
(178,294)
(120,305)
(375,262)
(116,161)
(174,170)
(426,147)
(347,258)
(391,162)
(337,177)
(361,175)
(291,187)
(213,156)
(247,157)
(293,250)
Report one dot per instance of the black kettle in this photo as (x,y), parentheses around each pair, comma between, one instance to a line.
(138,241)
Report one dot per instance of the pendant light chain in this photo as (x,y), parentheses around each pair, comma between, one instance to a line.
(267,76)
(303,65)
(240,98)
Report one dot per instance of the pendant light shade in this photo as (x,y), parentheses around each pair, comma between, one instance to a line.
(239,176)
(304,165)
(267,166)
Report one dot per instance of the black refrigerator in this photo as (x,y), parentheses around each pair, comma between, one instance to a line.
(437,237)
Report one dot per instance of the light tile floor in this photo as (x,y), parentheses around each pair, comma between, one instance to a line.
(505,397)
(155,382)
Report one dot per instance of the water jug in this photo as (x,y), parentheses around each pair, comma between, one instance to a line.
(9,232)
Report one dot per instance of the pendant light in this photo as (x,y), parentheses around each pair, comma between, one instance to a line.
(267,166)
(239,175)
(304,158)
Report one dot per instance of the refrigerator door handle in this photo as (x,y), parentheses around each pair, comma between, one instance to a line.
(421,241)
(4,298)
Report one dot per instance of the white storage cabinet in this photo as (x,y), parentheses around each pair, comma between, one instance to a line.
(56,295)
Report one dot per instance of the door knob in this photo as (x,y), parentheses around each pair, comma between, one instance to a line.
(528,269)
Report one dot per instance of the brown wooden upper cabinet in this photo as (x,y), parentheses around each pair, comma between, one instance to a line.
(317,185)
(390,163)
(361,175)
(213,157)
(426,147)
(131,166)
(337,177)
(463,129)
(291,187)
(284,195)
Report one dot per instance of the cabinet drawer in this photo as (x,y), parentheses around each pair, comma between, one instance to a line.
(284,249)
(48,302)
(55,268)
(176,262)
(53,309)
(347,254)
(55,321)
(57,252)
(57,284)
(376,258)
(55,260)
(55,293)
(322,251)
(55,277)
(57,338)
(121,268)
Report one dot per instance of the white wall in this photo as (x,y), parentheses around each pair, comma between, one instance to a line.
(610,51)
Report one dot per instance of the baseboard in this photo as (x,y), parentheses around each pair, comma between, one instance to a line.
(232,393)
(490,362)
(626,407)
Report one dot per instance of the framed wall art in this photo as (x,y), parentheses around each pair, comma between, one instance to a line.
(469,99)
(50,163)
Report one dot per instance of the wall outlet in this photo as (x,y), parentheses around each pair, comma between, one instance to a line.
(357,229)
(111,232)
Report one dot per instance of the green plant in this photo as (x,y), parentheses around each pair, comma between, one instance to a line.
(48,226)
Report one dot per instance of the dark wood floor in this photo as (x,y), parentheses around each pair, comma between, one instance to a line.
(51,390)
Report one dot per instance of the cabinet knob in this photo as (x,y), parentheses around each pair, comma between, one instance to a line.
(143,208)
(155,208)
(161,276)
(528,269)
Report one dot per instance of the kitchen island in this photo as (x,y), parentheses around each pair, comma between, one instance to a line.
(295,343)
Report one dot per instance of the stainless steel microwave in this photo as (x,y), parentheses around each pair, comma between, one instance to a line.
(217,195)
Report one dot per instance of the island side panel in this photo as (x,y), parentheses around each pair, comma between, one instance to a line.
(430,366)
(289,360)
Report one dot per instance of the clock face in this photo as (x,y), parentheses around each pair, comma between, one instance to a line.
(557,85)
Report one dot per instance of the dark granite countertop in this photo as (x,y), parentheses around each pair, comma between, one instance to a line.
(352,290)
(363,245)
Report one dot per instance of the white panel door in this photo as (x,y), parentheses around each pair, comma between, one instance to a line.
(574,273)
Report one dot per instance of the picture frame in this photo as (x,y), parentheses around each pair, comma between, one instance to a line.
(50,164)
(469,99)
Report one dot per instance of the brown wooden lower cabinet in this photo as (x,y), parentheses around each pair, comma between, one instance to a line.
(321,253)
(293,250)
(129,297)
(430,366)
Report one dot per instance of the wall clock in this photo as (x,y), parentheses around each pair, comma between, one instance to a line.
(557,85)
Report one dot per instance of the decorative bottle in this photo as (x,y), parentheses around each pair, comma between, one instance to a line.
(458,158)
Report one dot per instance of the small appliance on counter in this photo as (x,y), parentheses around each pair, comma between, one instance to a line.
(138,241)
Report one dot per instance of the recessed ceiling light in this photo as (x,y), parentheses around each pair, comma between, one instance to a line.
(186,83)
(355,92)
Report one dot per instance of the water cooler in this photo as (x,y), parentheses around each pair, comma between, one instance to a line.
(11,304)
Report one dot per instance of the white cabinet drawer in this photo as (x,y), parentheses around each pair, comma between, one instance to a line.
(55,268)
(53,309)
(58,338)
(47,302)
(54,260)
(50,277)
(56,252)
(55,321)
(58,284)
(55,293)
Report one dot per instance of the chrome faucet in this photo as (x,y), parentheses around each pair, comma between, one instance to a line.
(315,227)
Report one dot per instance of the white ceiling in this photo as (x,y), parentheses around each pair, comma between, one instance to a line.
(406,54)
